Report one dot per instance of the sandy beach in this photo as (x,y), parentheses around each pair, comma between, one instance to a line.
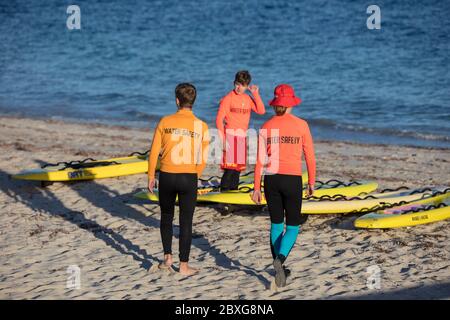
(114,238)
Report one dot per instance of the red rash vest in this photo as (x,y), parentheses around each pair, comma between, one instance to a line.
(281,142)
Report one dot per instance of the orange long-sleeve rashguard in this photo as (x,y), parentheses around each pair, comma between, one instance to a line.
(281,142)
(182,140)
(235,109)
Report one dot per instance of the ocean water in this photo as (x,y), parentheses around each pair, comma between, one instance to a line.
(380,86)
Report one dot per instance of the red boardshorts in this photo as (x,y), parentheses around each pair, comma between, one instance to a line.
(234,156)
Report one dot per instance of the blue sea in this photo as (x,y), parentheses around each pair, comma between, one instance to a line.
(390,85)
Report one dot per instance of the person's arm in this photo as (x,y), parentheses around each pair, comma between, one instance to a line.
(260,158)
(260,161)
(224,108)
(203,151)
(308,151)
(154,151)
(257,103)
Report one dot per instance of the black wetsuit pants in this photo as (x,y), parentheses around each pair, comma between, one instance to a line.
(284,199)
(230,180)
(183,185)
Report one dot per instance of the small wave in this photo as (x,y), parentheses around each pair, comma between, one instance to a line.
(379,131)
(139,115)
(108,96)
(323,122)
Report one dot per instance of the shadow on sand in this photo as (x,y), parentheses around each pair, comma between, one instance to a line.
(116,205)
(425,292)
(102,197)
(44,201)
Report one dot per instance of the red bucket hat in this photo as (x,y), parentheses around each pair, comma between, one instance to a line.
(285,97)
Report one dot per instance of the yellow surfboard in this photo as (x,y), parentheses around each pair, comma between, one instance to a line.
(350,204)
(106,168)
(243,196)
(202,189)
(375,202)
(213,183)
(412,214)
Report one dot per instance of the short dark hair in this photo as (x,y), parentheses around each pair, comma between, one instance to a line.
(186,94)
(243,77)
(279,110)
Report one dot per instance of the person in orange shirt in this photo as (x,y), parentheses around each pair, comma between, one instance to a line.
(281,142)
(232,123)
(182,140)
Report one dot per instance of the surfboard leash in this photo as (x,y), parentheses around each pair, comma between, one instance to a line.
(401,203)
(80,164)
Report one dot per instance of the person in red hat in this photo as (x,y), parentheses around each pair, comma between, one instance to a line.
(281,142)
(232,123)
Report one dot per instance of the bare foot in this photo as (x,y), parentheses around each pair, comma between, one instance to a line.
(185,270)
(167,262)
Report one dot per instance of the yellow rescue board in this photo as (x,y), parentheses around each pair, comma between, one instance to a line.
(409,215)
(108,168)
(375,200)
(243,197)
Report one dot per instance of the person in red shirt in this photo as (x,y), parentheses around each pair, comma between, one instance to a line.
(232,123)
(281,142)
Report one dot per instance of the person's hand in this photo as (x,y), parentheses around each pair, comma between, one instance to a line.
(257,196)
(254,89)
(151,184)
(310,190)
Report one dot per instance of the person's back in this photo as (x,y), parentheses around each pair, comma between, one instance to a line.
(286,138)
(281,142)
(182,142)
